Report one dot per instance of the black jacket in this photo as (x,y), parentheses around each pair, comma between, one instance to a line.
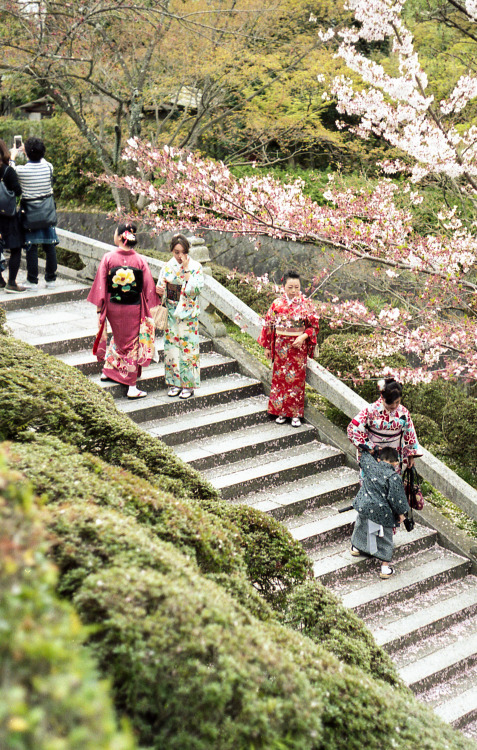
(10,228)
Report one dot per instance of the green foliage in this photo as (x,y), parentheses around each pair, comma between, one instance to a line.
(68,405)
(319,614)
(72,158)
(460,430)
(275,561)
(51,697)
(237,284)
(64,476)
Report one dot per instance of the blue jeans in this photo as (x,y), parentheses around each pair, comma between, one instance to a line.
(32,263)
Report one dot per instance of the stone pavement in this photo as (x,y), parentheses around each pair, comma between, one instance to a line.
(424,616)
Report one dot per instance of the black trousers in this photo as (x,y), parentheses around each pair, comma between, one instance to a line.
(32,263)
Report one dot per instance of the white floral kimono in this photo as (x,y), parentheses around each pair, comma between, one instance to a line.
(181,336)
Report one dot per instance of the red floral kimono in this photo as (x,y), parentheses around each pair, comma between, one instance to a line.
(297,316)
(376,426)
(115,280)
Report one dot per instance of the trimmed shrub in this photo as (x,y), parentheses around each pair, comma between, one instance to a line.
(62,475)
(50,693)
(317,613)
(237,283)
(193,670)
(68,405)
(275,561)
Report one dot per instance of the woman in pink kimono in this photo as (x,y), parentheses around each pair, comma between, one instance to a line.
(386,423)
(124,293)
(289,337)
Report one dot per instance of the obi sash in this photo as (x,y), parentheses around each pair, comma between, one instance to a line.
(385,438)
(173,292)
(125,285)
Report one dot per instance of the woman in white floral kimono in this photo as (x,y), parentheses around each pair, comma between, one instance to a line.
(180,281)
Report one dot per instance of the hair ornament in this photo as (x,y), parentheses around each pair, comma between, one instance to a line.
(381,384)
(127,235)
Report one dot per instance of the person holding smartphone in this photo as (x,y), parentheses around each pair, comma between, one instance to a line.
(180,281)
(36,180)
(10,227)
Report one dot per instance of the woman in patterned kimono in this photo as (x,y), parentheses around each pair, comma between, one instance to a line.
(386,423)
(289,337)
(181,280)
(124,293)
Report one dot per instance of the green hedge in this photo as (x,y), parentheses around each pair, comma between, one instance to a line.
(51,696)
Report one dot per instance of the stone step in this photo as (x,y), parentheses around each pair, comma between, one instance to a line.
(206,422)
(83,359)
(315,532)
(248,442)
(416,574)
(306,494)
(212,365)
(73,324)
(436,667)
(334,564)
(158,405)
(273,469)
(65,291)
(461,709)
(428,620)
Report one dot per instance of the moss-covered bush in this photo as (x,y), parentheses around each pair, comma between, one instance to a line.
(318,613)
(238,284)
(194,670)
(51,696)
(65,403)
(460,430)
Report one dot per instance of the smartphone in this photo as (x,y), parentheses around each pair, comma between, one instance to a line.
(17,141)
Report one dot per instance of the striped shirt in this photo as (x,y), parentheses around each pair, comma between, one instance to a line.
(35,178)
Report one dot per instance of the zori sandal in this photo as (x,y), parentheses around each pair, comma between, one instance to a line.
(174,391)
(386,571)
(186,393)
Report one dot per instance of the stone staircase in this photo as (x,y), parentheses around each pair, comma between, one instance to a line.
(425,616)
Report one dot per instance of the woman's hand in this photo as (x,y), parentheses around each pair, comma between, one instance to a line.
(268,353)
(185,262)
(300,339)
(402,518)
(160,289)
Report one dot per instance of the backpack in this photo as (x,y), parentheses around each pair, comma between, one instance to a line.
(8,199)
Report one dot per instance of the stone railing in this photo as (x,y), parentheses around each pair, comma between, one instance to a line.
(320,379)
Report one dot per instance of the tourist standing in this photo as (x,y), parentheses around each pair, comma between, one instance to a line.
(10,228)
(124,293)
(289,337)
(36,180)
(180,282)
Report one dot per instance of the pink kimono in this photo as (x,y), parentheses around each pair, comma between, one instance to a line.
(115,280)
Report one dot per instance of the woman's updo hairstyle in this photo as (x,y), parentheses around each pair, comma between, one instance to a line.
(127,233)
(390,389)
(179,239)
(290,275)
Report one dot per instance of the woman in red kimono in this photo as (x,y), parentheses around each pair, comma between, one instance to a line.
(124,292)
(289,337)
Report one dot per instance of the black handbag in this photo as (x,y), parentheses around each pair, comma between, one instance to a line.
(8,199)
(38,213)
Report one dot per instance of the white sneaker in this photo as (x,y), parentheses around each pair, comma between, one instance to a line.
(30,287)
(281,420)
(50,284)
(296,422)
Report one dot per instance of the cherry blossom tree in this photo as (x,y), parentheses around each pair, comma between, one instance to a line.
(437,323)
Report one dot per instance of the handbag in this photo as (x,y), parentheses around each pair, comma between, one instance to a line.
(159,316)
(8,199)
(40,212)
(412,488)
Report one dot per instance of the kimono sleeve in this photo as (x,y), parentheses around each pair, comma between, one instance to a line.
(195,282)
(265,338)
(410,446)
(357,430)
(396,496)
(312,323)
(98,294)
(149,288)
